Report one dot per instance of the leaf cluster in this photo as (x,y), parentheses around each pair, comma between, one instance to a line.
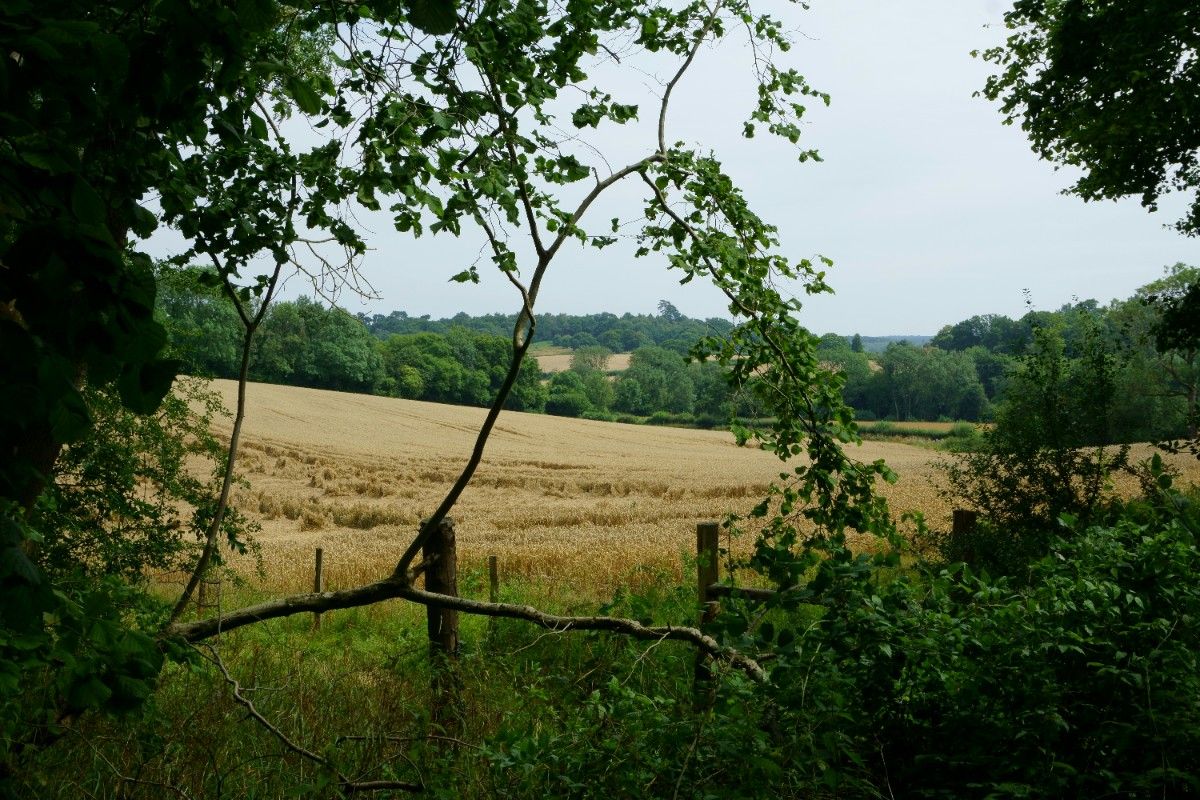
(1111,87)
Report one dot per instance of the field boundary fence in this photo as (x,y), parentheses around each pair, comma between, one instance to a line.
(440,559)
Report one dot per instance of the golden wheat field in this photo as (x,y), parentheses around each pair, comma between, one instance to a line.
(561,362)
(573,502)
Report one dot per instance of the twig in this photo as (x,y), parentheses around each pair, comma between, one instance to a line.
(641,658)
(250,325)
(179,791)
(346,785)
(662,111)
(687,758)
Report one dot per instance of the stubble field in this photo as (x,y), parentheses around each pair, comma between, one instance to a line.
(579,504)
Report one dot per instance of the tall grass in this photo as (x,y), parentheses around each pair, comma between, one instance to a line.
(357,693)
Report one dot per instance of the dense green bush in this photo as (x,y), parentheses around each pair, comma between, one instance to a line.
(129,499)
(1047,453)
(667,418)
(568,395)
(925,682)
(1081,684)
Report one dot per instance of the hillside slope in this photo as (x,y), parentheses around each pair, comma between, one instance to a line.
(575,499)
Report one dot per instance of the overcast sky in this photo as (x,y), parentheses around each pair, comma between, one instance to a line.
(931,209)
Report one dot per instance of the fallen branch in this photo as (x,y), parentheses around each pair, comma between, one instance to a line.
(628,627)
(392,588)
(198,631)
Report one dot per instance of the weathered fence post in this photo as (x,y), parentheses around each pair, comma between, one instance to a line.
(441,576)
(962,527)
(318,584)
(493,579)
(208,595)
(708,566)
(708,572)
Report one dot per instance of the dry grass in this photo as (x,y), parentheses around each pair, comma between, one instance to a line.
(581,503)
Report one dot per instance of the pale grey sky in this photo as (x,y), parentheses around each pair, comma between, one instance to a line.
(930,208)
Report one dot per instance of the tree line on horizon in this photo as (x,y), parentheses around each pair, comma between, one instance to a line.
(961,373)
(622,333)
(967,369)
(307,343)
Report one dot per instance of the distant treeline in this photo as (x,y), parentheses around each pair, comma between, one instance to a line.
(620,334)
(462,360)
(959,374)
(1151,387)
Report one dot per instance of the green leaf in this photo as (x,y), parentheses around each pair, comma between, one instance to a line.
(303,93)
(649,28)
(86,204)
(70,419)
(88,693)
(144,221)
(45,160)
(111,56)
(433,16)
(143,386)
(13,561)
(366,198)
(258,126)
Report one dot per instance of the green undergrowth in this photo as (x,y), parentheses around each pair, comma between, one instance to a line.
(357,692)
(888,677)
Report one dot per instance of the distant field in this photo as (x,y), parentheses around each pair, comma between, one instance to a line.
(931,431)
(575,501)
(561,362)
(941,427)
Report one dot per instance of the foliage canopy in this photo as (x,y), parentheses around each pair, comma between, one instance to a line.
(1110,86)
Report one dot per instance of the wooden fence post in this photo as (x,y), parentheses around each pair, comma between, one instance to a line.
(708,572)
(318,584)
(960,533)
(208,595)
(708,566)
(441,576)
(493,580)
